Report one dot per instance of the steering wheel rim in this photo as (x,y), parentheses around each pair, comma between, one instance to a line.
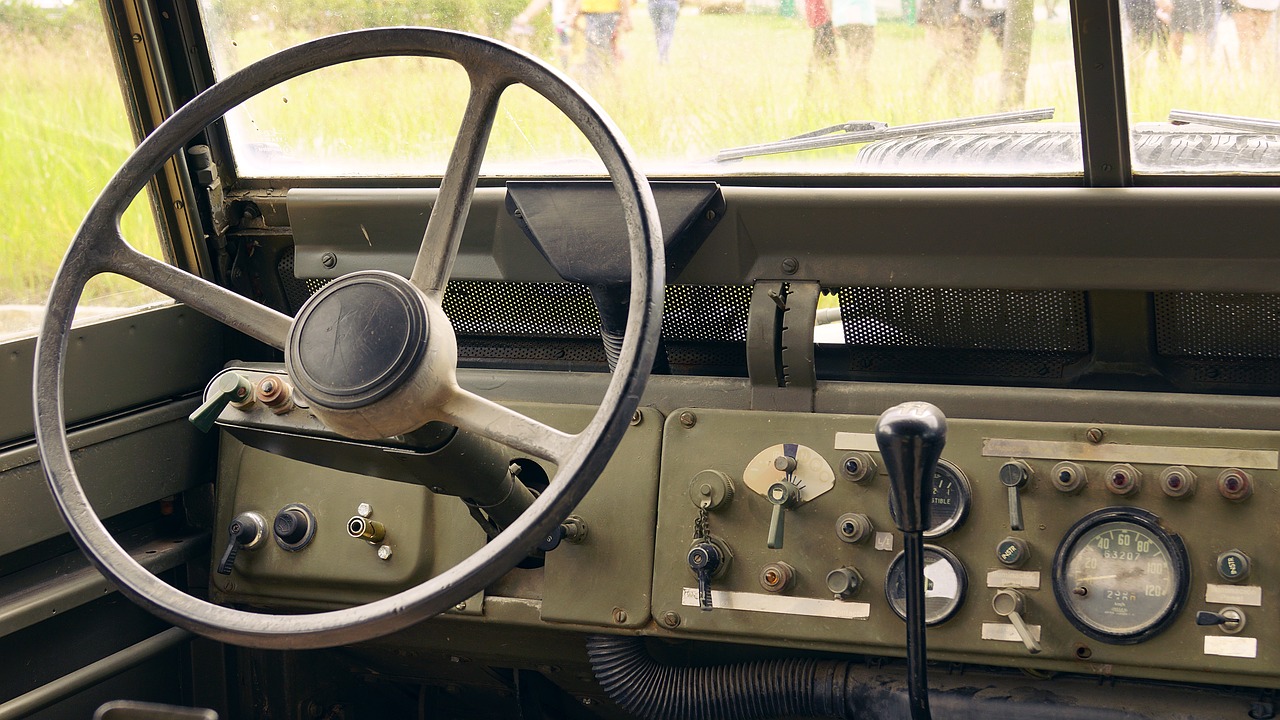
(99,247)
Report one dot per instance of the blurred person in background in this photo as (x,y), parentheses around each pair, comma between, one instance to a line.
(664,13)
(603,22)
(855,25)
(1189,24)
(521,32)
(1253,20)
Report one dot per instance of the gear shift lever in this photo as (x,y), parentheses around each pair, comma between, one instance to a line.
(911,436)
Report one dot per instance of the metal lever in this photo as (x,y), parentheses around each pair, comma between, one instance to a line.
(247,530)
(1014,475)
(1010,604)
(704,560)
(228,388)
(783,494)
(911,437)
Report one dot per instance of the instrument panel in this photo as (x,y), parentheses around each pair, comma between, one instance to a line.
(1109,549)
(1101,549)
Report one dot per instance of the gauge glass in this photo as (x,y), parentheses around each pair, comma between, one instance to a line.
(948,500)
(1119,576)
(945,582)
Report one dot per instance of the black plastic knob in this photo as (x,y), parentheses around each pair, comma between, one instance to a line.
(911,437)
(291,526)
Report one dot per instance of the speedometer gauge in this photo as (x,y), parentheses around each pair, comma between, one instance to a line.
(1120,577)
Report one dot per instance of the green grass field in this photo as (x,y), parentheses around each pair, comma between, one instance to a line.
(733,80)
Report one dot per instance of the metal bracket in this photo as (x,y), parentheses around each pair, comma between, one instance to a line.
(780,345)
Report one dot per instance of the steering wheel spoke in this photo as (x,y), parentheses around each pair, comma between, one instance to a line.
(502,424)
(234,311)
(444,229)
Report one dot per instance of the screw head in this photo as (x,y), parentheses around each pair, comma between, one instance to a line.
(364,510)
(688,419)
(671,619)
(637,417)
(329,260)
(384,552)
(1095,435)
(619,615)
(790,265)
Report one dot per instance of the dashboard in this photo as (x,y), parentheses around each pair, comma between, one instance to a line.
(1097,548)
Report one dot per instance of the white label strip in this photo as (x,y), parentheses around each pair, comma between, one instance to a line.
(1020,579)
(1229,646)
(1149,454)
(780,604)
(865,442)
(1006,632)
(884,541)
(1234,594)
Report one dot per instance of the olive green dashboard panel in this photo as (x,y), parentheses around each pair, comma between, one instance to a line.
(604,579)
(843,527)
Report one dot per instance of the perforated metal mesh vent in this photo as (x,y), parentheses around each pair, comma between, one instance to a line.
(1223,325)
(1049,321)
(693,312)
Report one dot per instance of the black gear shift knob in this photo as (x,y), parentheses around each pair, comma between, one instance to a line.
(911,436)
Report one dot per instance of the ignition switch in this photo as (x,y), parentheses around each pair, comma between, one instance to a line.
(246,531)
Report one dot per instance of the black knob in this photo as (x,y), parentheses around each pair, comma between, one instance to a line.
(291,526)
(911,437)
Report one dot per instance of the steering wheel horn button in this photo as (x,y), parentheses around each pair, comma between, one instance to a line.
(357,340)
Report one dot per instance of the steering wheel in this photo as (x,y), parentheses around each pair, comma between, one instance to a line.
(413,384)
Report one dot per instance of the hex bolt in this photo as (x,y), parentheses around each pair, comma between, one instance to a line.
(364,510)
(329,260)
(688,419)
(384,552)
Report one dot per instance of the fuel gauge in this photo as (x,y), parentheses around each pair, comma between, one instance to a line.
(949,495)
(945,583)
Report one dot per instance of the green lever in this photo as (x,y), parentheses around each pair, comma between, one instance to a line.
(783,494)
(227,388)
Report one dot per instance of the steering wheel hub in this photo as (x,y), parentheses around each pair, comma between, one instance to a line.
(357,340)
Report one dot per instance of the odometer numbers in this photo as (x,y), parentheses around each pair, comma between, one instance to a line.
(1120,577)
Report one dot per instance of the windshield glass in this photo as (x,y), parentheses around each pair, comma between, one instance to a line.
(685,81)
(1209,63)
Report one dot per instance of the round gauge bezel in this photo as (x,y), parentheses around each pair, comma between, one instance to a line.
(962,507)
(1173,547)
(962,578)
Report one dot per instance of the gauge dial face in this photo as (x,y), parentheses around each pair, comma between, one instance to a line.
(1119,577)
(810,472)
(945,583)
(948,500)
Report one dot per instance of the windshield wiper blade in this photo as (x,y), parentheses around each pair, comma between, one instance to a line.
(826,137)
(1226,122)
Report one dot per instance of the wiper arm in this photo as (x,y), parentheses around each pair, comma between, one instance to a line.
(1226,122)
(861,132)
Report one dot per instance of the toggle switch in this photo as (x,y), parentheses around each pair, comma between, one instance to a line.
(1010,604)
(1015,475)
(246,531)
(783,495)
(707,560)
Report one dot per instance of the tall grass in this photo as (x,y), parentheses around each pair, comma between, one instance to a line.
(63,133)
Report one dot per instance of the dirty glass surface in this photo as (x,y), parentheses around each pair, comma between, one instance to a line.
(1213,64)
(63,133)
(685,81)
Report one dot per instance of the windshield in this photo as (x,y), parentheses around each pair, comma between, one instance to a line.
(683,80)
